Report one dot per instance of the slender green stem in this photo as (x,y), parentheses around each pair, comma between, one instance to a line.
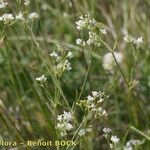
(131,91)
(127,83)
(48,94)
(87,73)
(141,133)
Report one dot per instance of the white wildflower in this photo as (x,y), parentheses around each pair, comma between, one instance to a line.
(8,17)
(106,130)
(129,39)
(70,55)
(94,29)
(3,4)
(33,15)
(135,142)
(69,126)
(67,65)
(138,41)
(85,22)
(42,78)
(92,103)
(80,42)
(81,23)
(64,125)
(103,31)
(95,94)
(93,39)
(114,139)
(128,146)
(61,63)
(90,98)
(20,16)
(59,118)
(104,113)
(54,54)
(131,143)
(67,116)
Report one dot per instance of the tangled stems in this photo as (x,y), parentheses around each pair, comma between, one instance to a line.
(127,83)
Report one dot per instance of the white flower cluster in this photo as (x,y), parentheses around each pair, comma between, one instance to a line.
(42,78)
(64,125)
(94,102)
(95,30)
(61,62)
(85,22)
(8,17)
(84,131)
(108,60)
(3,4)
(132,143)
(113,139)
(130,39)
(80,42)
(93,39)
